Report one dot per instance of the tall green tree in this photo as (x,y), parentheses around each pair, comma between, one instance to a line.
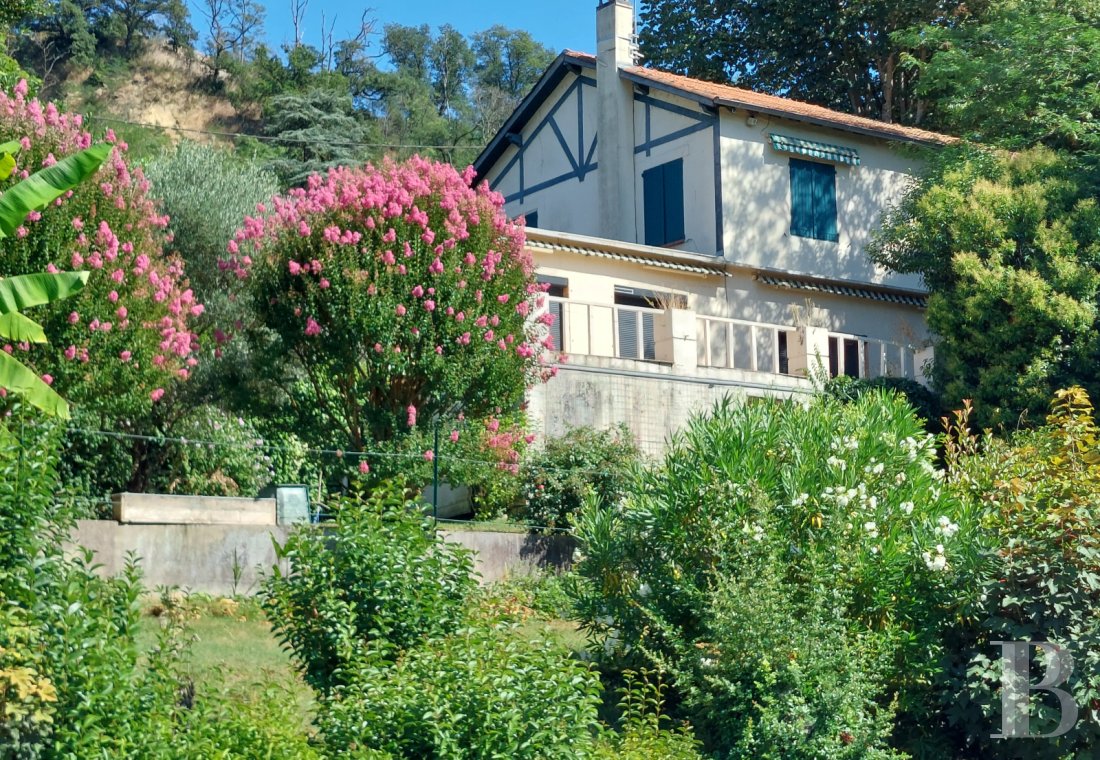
(1009,244)
(507,64)
(509,60)
(1026,72)
(315,131)
(836,54)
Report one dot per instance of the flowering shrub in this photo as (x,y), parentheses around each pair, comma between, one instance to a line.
(823,506)
(120,342)
(485,455)
(400,292)
(568,469)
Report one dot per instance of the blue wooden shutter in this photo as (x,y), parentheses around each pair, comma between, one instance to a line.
(813,200)
(653,191)
(802,198)
(825,203)
(663,203)
(674,201)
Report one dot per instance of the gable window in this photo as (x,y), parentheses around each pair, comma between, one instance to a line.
(663,193)
(813,200)
(531,219)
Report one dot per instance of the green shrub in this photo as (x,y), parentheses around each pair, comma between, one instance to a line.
(785,674)
(74,683)
(374,583)
(1039,579)
(849,503)
(71,631)
(926,403)
(584,461)
(217,454)
(479,692)
(642,735)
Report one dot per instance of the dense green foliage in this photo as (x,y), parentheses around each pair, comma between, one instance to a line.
(477,692)
(924,401)
(377,584)
(842,55)
(567,470)
(73,680)
(1040,575)
(789,567)
(1021,73)
(409,660)
(1009,244)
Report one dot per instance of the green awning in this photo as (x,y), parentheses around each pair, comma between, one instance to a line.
(824,151)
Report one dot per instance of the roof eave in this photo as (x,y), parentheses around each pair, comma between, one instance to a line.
(818,279)
(671,89)
(640,250)
(565,62)
(831,124)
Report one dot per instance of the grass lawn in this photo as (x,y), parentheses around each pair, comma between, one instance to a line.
(234,650)
(237,654)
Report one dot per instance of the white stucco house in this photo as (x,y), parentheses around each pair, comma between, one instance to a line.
(701,238)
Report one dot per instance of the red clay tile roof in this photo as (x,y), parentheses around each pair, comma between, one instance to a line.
(727,95)
(739,97)
(586,57)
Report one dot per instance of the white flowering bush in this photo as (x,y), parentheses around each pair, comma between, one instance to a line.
(841,505)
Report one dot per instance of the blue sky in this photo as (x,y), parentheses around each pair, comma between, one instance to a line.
(558,24)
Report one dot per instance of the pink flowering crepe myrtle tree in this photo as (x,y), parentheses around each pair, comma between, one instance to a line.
(118,344)
(400,291)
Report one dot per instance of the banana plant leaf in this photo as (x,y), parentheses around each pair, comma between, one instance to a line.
(18,378)
(7,157)
(18,328)
(46,185)
(26,290)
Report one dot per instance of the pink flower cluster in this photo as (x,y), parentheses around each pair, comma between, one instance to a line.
(389,277)
(136,308)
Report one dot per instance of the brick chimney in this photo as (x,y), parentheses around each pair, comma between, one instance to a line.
(615,119)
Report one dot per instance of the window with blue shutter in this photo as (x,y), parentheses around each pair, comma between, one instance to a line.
(813,200)
(663,203)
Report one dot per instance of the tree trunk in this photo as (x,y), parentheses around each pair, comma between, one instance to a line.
(887,71)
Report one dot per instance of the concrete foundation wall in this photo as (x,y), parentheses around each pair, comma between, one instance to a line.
(202,558)
(650,399)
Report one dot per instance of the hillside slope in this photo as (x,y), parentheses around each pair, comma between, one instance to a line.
(162,88)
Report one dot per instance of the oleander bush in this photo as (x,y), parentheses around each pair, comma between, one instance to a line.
(791,567)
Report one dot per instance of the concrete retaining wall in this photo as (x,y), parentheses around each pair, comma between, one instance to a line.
(226,559)
(156,508)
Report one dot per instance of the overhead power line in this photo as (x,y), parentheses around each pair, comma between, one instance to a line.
(279,138)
